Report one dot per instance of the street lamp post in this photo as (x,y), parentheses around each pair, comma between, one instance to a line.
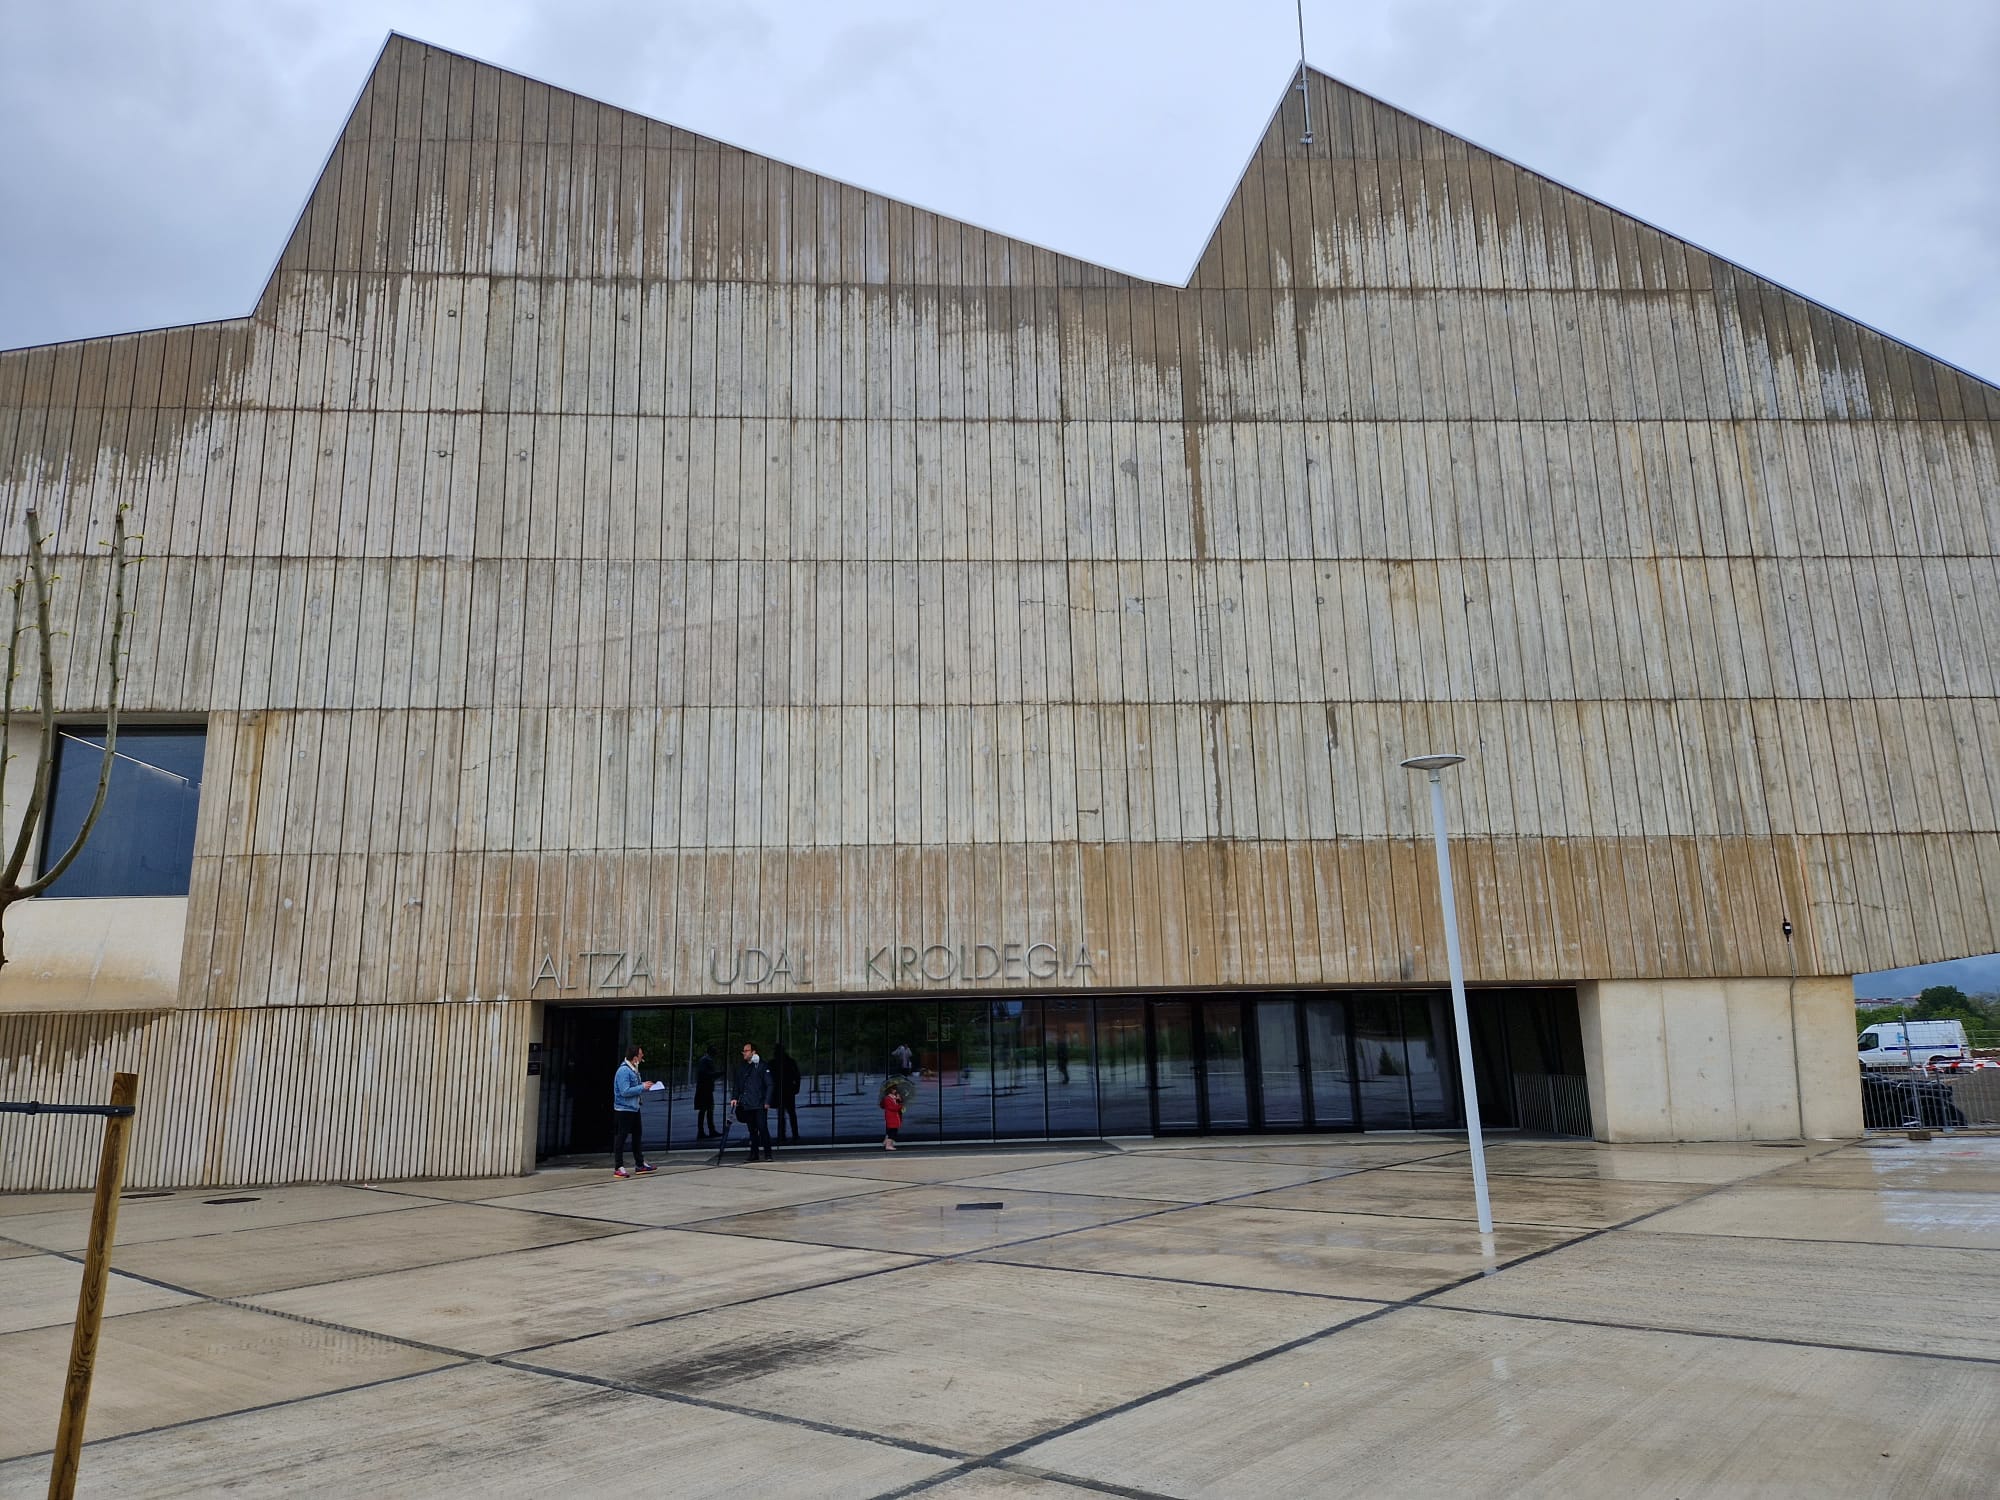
(1432,765)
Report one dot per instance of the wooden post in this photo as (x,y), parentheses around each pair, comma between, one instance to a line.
(90,1298)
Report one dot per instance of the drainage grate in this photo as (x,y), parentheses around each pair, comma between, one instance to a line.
(228,1200)
(964,1206)
(137,1197)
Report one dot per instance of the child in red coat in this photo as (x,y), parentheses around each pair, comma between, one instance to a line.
(892,1118)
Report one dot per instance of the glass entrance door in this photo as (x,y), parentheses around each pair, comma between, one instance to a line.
(1270,1063)
(1329,1073)
(1280,1089)
(1201,1078)
(1225,1083)
(1176,1068)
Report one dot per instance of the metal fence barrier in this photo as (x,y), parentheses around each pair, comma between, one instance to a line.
(1553,1103)
(1912,1098)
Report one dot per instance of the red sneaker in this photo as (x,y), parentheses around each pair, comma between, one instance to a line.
(620,1172)
(645,1166)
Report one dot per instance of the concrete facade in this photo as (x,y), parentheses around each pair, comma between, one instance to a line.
(612,565)
(1720,1060)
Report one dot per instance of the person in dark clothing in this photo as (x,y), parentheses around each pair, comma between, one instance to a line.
(785,1074)
(751,1100)
(706,1071)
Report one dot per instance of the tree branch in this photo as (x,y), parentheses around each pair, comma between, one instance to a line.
(45,683)
(7,691)
(115,653)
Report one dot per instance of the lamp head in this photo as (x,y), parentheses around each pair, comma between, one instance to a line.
(1431,763)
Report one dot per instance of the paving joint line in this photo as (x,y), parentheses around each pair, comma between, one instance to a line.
(243,1411)
(618,1229)
(1805,1239)
(1000,1458)
(1226,1286)
(1417,1300)
(210,1234)
(1715,1333)
(1383,1213)
(975,1466)
(1059,1476)
(1883,1187)
(911,1261)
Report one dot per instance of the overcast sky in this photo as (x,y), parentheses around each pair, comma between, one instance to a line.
(156,154)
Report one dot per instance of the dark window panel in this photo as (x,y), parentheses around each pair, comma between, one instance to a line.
(1379,1062)
(1020,1097)
(1124,1107)
(143,841)
(1427,1040)
(964,1070)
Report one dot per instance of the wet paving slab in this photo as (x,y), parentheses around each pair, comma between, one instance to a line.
(1006,1484)
(1334,1255)
(1916,1299)
(179,1364)
(921,1164)
(41,1291)
(483,1430)
(684,1197)
(963,1357)
(282,1256)
(177,1215)
(1623,1163)
(1575,1203)
(1964,1220)
(1425,1403)
(937,1220)
(873,1314)
(532,1297)
(1181,1179)
(1953,1164)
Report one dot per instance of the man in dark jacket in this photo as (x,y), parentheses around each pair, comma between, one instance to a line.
(753,1091)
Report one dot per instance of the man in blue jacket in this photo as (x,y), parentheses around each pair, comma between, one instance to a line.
(625,1091)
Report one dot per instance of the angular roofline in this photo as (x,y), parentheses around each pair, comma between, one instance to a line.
(1626,213)
(1292,75)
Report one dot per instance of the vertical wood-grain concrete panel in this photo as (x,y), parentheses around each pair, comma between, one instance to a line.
(600,540)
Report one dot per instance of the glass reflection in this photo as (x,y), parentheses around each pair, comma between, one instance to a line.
(1032,1067)
(654,1030)
(1379,1063)
(1225,1085)
(963,1070)
(1020,1093)
(1176,1073)
(1278,1080)
(875,1041)
(1123,1104)
(1426,1034)
(1326,1061)
(804,1073)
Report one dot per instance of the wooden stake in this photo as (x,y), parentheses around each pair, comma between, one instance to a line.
(90,1298)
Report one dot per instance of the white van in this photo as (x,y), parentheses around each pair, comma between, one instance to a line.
(1912,1044)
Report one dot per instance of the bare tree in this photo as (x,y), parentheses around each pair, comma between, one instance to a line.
(30,591)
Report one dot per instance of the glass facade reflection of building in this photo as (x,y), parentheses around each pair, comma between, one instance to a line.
(1035,1067)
